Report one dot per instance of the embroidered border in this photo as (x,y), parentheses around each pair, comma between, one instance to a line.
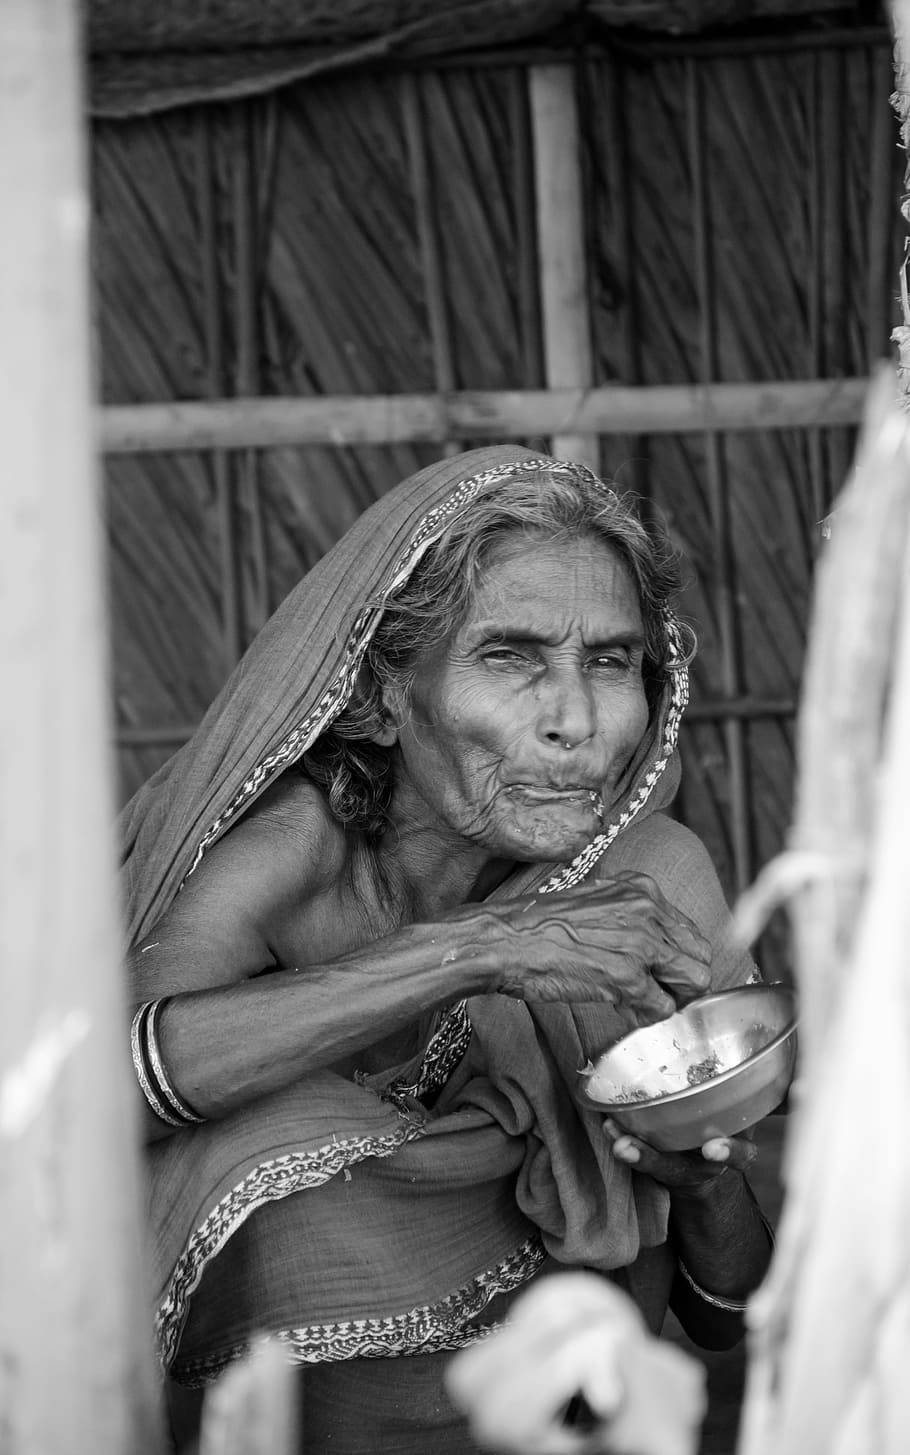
(427,1329)
(268,1182)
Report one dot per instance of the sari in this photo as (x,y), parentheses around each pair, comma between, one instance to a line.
(383,1217)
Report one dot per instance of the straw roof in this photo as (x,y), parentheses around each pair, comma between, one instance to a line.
(151,54)
(139,25)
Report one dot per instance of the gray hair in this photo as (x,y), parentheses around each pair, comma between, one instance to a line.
(356,772)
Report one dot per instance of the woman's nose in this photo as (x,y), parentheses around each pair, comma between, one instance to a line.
(567,716)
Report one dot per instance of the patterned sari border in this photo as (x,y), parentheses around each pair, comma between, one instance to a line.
(428,1329)
(268,1182)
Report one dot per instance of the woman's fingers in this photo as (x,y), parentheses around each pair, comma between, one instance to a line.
(737,1153)
(682,1169)
(618,941)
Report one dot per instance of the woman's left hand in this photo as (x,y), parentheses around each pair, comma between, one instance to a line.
(685,1172)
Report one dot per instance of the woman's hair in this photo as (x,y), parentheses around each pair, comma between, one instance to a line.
(355,771)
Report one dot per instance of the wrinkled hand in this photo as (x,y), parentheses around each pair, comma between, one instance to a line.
(570,1335)
(691,1173)
(619,941)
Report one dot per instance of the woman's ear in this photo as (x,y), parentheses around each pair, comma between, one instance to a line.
(389,718)
(385,733)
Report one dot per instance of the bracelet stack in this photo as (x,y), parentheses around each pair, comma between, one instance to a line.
(156,1085)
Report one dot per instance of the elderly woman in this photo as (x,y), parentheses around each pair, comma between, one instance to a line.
(411,872)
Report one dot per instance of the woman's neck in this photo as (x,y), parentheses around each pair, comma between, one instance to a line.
(437,871)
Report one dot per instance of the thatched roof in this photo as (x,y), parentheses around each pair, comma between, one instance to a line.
(147,55)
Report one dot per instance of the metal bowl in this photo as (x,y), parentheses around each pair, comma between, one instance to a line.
(712,1069)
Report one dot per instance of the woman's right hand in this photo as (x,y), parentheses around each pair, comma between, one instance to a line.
(619,940)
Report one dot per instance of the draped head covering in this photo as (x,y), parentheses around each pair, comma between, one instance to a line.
(345,1216)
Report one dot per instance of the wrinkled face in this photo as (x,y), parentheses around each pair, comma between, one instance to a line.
(519,726)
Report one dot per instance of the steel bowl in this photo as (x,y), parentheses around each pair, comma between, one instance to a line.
(712,1069)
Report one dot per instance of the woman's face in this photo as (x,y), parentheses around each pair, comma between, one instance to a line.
(520,725)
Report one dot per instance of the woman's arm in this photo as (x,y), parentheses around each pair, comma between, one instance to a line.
(227,1033)
(724,1245)
(722,1240)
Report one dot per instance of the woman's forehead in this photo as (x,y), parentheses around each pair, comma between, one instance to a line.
(539,587)
(546,566)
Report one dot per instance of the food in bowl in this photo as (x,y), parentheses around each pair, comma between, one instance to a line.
(712,1069)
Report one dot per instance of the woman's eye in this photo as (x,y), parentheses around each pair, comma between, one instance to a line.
(508,656)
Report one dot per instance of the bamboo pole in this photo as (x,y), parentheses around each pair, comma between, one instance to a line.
(880,283)
(561,248)
(706,710)
(723,558)
(430,242)
(349,419)
(231,609)
(834,240)
(621,169)
(246,293)
(820,494)
(527,267)
(76,1370)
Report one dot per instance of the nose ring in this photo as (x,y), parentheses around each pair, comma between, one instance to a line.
(566,744)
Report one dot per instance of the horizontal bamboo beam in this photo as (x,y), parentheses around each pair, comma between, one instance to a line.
(646,48)
(708,710)
(350,419)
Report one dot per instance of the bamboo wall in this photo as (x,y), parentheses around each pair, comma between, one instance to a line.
(374,233)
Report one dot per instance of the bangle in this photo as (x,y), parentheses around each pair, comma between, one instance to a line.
(156,1086)
(729,1305)
(177,1104)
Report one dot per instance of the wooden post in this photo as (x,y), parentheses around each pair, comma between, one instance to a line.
(561,246)
(76,1372)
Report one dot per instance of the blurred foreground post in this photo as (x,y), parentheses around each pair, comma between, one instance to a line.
(252,1409)
(831,1326)
(76,1371)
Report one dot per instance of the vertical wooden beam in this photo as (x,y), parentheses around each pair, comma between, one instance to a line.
(834,241)
(723,555)
(228,571)
(430,242)
(246,279)
(820,492)
(881,285)
(621,172)
(531,341)
(561,244)
(76,1372)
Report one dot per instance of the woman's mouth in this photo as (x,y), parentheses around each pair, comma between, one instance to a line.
(570,795)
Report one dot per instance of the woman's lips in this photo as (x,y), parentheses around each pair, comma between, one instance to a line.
(533,793)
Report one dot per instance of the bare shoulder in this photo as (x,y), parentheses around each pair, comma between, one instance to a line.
(280,859)
(292,827)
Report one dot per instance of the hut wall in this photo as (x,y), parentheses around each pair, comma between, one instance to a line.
(741,224)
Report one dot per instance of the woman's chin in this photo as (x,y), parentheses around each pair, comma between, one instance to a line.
(556,836)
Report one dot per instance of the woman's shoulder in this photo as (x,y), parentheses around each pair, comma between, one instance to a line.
(292,826)
(679,863)
(662,847)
